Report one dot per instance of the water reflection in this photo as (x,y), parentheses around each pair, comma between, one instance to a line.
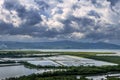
(16,71)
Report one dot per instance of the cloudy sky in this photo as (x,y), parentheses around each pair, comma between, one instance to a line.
(52,20)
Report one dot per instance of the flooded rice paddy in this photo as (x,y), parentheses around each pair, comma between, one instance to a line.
(67,60)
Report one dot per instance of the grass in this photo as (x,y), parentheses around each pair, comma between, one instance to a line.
(84,53)
(113,59)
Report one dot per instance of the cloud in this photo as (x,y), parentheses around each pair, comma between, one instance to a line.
(60,19)
(113,2)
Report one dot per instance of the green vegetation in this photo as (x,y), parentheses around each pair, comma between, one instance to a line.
(25,52)
(7,62)
(29,65)
(84,54)
(36,77)
(113,59)
(21,54)
(71,77)
(39,52)
(113,78)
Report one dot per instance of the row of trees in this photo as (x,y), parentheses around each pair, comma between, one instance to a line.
(29,65)
(33,77)
(17,54)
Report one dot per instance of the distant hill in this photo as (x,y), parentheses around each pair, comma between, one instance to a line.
(57,45)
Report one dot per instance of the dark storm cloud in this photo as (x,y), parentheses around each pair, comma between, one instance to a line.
(43,5)
(83,21)
(12,4)
(105,33)
(5,28)
(31,16)
(94,13)
(113,2)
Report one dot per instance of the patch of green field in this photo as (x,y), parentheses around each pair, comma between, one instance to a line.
(113,59)
(32,52)
(84,53)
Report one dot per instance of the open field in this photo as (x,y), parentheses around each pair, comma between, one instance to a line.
(113,59)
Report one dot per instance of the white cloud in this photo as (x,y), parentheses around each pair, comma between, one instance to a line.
(80,19)
(77,35)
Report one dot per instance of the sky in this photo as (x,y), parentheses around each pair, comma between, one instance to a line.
(53,20)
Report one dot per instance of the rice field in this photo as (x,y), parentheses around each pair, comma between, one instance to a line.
(67,60)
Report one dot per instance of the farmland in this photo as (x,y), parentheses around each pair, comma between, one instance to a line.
(57,64)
